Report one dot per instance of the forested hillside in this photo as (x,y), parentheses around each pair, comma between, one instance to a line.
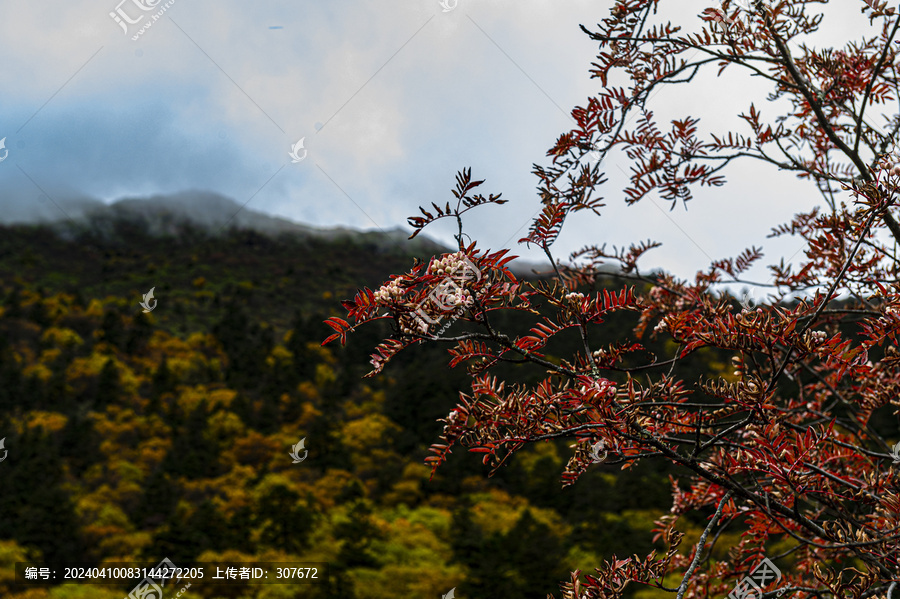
(136,436)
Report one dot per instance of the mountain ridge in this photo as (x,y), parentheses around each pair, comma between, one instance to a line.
(167,215)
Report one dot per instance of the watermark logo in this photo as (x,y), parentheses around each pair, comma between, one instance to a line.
(151,586)
(295,151)
(6,451)
(891,163)
(596,448)
(449,595)
(5,151)
(743,18)
(449,5)
(751,587)
(123,19)
(894,452)
(146,303)
(450,294)
(891,590)
(296,449)
(747,300)
(719,15)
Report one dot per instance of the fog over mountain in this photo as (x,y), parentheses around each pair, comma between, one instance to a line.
(165,215)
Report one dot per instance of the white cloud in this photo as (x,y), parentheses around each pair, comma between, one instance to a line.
(481,86)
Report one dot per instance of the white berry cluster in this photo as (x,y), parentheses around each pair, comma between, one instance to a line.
(574,296)
(390,292)
(452,417)
(664,324)
(451,293)
(811,340)
(455,265)
(446,297)
(410,324)
(891,162)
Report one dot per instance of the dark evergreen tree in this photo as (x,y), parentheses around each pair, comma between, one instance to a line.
(78,299)
(157,503)
(112,327)
(172,411)
(285,523)
(37,510)
(209,527)
(177,540)
(482,555)
(108,387)
(246,344)
(162,384)
(325,427)
(357,535)
(164,381)
(240,527)
(303,332)
(138,333)
(12,304)
(55,390)
(34,394)
(536,555)
(352,491)
(194,454)
(10,377)
(80,443)
(241,406)
(268,418)
(38,313)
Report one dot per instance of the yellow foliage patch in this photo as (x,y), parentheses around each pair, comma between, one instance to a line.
(191,397)
(51,422)
(370,432)
(62,337)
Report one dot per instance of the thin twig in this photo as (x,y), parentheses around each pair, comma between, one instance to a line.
(700,544)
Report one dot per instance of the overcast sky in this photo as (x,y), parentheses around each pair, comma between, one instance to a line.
(392,98)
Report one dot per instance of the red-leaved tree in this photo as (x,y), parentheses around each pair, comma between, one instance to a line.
(783,450)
